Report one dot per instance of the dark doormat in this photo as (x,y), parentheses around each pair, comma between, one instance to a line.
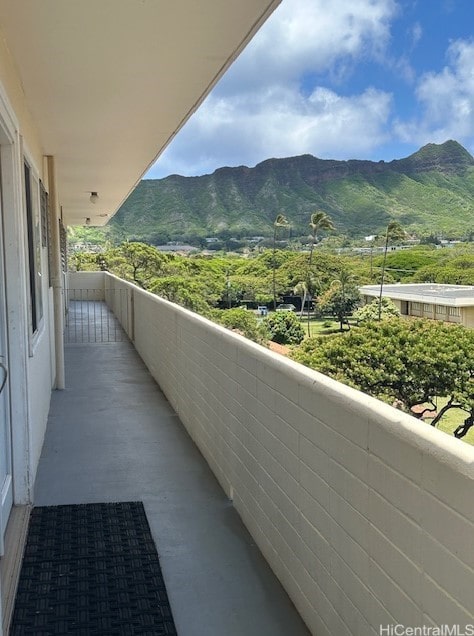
(91,569)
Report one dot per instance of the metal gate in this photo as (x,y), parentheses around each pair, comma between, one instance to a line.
(89,319)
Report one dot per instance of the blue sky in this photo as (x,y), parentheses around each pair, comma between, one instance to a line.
(339,79)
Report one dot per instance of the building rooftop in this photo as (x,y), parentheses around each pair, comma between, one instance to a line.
(457,295)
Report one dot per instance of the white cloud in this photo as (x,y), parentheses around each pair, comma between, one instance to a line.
(446,100)
(279,123)
(311,36)
(264,108)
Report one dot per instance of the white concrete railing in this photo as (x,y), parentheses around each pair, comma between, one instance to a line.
(90,282)
(364,513)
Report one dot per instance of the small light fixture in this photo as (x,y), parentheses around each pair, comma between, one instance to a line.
(88,220)
(94,197)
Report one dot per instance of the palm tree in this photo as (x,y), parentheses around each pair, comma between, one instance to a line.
(301,290)
(280,221)
(318,221)
(396,232)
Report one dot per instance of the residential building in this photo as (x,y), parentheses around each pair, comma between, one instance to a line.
(363,513)
(450,303)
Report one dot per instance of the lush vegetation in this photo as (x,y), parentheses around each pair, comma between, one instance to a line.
(284,327)
(405,363)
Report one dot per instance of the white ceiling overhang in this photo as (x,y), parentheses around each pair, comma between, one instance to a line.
(109,83)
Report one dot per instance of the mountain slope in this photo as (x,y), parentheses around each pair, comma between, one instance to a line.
(431,190)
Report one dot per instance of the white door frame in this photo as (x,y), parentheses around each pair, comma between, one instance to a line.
(6,454)
(14,233)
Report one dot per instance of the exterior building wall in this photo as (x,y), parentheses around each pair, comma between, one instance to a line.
(462,315)
(454,314)
(30,356)
(467,317)
(415,309)
(11,90)
(364,513)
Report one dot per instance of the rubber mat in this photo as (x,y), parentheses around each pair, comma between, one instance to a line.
(91,569)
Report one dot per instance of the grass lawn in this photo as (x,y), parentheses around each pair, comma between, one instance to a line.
(320,326)
(451,420)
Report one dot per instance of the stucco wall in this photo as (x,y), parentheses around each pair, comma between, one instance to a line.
(364,513)
(85,286)
(11,91)
(467,317)
(31,357)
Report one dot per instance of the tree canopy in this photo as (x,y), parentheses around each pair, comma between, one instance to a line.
(402,362)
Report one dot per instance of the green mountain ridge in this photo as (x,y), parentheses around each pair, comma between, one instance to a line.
(432,190)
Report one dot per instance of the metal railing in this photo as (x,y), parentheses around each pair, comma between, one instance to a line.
(89,319)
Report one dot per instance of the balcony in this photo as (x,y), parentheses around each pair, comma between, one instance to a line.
(363,514)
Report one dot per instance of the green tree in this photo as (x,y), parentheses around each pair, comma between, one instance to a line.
(137,262)
(404,363)
(182,290)
(319,221)
(242,321)
(341,298)
(284,327)
(371,311)
(301,290)
(85,262)
(280,221)
(394,232)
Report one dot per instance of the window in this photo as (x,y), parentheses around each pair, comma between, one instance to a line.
(440,309)
(427,308)
(34,248)
(454,311)
(416,306)
(46,229)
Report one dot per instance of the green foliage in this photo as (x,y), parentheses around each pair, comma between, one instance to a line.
(85,262)
(341,298)
(84,236)
(284,327)
(137,262)
(404,264)
(452,268)
(401,362)
(243,321)
(370,312)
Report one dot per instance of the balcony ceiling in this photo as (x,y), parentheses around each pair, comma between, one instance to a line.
(109,83)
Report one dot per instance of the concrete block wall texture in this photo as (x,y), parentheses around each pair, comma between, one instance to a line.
(467,317)
(365,514)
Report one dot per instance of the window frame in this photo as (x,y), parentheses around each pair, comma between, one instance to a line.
(34,246)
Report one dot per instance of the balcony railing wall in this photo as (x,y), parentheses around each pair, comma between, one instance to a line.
(364,513)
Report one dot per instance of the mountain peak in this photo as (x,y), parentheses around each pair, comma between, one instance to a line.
(449,156)
(432,189)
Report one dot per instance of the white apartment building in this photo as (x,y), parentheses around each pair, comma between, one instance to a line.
(450,303)
(363,513)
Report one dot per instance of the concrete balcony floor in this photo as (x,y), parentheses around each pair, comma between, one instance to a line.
(112,436)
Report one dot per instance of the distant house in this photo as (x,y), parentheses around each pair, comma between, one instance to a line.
(175,248)
(450,303)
